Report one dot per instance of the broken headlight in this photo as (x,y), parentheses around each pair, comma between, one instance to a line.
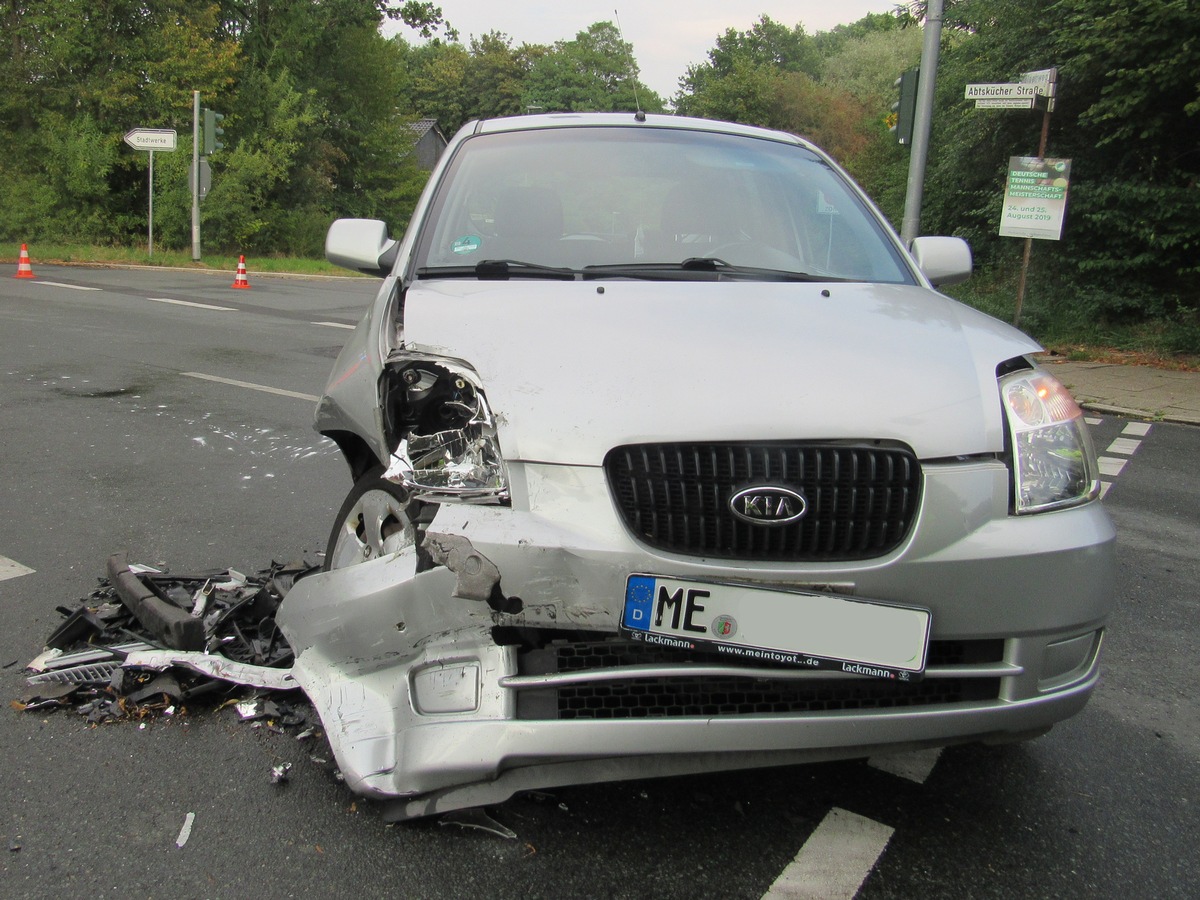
(1053,463)
(448,449)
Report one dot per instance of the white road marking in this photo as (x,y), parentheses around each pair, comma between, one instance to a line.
(336,325)
(835,860)
(10,568)
(1091,421)
(73,287)
(190,303)
(915,765)
(1110,465)
(266,389)
(186,831)
(1126,446)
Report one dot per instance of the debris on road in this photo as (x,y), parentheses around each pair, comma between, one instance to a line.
(147,641)
(478,819)
(186,831)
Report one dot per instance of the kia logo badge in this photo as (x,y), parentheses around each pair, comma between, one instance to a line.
(768,505)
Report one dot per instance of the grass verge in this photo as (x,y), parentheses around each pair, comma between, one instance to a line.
(1070,326)
(53,253)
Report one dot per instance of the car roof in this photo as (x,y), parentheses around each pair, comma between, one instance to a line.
(631,120)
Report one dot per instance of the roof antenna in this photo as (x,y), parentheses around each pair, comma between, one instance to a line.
(639,115)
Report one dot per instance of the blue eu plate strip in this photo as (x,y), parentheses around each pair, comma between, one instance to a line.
(639,602)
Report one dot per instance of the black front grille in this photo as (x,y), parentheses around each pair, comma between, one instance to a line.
(861,498)
(687,695)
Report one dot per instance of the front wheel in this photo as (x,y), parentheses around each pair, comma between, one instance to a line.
(376,519)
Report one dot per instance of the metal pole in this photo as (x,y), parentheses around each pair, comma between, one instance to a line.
(195,179)
(150,236)
(1029,241)
(924,117)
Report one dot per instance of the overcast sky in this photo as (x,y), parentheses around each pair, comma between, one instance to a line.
(667,35)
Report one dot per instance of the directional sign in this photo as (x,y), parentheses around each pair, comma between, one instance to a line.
(1046,81)
(151,139)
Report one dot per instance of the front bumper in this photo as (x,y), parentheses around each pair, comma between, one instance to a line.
(419,680)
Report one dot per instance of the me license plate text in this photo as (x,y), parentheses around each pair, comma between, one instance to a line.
(808,629)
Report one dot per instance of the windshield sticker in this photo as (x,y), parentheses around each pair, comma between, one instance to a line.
(824,207)
(467,244)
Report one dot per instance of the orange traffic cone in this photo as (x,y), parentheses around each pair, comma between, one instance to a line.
(240,280)
(24,269)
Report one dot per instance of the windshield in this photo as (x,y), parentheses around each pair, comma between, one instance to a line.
(636,199)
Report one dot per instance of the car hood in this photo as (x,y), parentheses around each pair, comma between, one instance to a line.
(574,369)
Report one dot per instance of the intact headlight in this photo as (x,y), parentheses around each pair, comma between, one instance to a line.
(1053,463)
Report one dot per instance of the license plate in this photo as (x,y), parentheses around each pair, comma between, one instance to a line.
(807,629)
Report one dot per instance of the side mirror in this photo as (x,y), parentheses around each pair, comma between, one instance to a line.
(362,245)
(944,260)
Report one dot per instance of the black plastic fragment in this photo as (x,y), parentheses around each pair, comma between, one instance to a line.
(170,624)
(156,687)
(80,625)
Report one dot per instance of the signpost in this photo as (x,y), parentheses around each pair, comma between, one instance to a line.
(1028,185)
(151,139)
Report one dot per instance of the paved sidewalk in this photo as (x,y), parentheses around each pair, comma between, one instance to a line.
(1160,395)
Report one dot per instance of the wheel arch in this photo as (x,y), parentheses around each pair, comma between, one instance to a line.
(355,451)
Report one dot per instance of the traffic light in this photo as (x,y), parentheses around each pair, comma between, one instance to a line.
(212,131)
(904,110)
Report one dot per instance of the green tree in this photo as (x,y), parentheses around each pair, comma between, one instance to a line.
(745,60)
(865,62)
(77,78)
(594,72)
(1127,116)
(440,87)
(496,74)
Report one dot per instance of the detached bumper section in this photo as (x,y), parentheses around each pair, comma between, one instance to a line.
(174,627)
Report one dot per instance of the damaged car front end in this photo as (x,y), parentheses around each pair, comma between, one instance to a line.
(668,459)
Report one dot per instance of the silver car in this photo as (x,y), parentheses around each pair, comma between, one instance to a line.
(668,458)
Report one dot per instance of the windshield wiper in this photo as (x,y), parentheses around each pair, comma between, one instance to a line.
(704,264)
(698,264)
(499,270)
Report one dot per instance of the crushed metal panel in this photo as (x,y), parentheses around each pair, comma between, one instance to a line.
(214,667)
(360,633)
(477,575)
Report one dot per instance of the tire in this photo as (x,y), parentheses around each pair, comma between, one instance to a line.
(376,519)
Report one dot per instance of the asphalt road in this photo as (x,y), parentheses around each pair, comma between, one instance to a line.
(106,444)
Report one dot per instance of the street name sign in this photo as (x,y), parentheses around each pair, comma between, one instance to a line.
(1001,91)
(151,139)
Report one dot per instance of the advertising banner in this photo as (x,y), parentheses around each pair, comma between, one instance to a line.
(1035,198)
